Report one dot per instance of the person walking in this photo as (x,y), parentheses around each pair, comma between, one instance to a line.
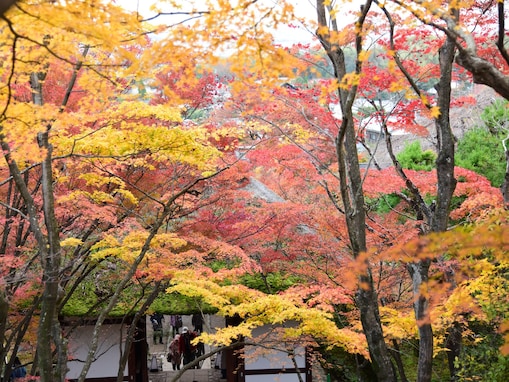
(176,323)
(157,326)
(187,349)
(174,354)
(197,321)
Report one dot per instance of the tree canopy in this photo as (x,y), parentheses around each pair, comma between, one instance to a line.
(188,153)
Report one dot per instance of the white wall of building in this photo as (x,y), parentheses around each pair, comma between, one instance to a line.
(273,355)
(107,355)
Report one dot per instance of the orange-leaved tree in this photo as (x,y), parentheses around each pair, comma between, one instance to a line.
(417,84)
(79,132)
(477,31)
(408,81)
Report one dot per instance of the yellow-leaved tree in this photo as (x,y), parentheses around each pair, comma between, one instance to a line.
(93,175)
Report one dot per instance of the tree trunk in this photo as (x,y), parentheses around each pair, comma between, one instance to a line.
(445,161)
(366,296)
(396,354)
(436,215)
(484,72)
(162,216)
(131,333)
(49,334)
(4,314)
(367,302)
(419,274)
(446,184)
(352,195)
(453,345)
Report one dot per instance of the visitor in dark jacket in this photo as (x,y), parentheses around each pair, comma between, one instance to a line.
(187,349)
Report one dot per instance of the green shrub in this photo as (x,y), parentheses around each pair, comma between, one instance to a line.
(483,362)
(412,157)
(496,116)
(270,283)
(382,204)
(482,152)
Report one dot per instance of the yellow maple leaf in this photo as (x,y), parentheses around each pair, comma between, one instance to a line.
(435,111)
(364,55)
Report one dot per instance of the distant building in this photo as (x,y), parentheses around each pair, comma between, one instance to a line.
(275,359)
(112,336)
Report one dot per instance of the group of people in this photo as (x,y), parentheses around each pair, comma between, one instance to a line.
(157,320)
(181,349)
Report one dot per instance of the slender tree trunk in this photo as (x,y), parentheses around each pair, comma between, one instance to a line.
(48,244)
(49,333)
(32,213)
(439,214)
(162,215)
(453,344)
(396,354)
(94,341)
(352,193)
(4,314)
(367,302)
(446,184)
(366,296)
(419,273)
(434,217)
(131,333)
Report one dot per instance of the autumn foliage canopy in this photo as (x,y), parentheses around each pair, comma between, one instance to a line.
(191,154)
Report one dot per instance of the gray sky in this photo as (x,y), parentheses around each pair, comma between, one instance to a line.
(284,35)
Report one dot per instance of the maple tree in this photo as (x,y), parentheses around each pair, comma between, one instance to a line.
(105,180)
(300,238)
(484,55)
(93,175)
(195,95)
(458,28)
(435,214)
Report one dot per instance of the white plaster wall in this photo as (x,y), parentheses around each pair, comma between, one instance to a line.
(256,360)
(107,355)
(270,358)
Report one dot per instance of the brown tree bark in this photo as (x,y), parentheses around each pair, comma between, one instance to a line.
(484,72)
(435,216)
(49,336)
(352,196)
(396,354)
